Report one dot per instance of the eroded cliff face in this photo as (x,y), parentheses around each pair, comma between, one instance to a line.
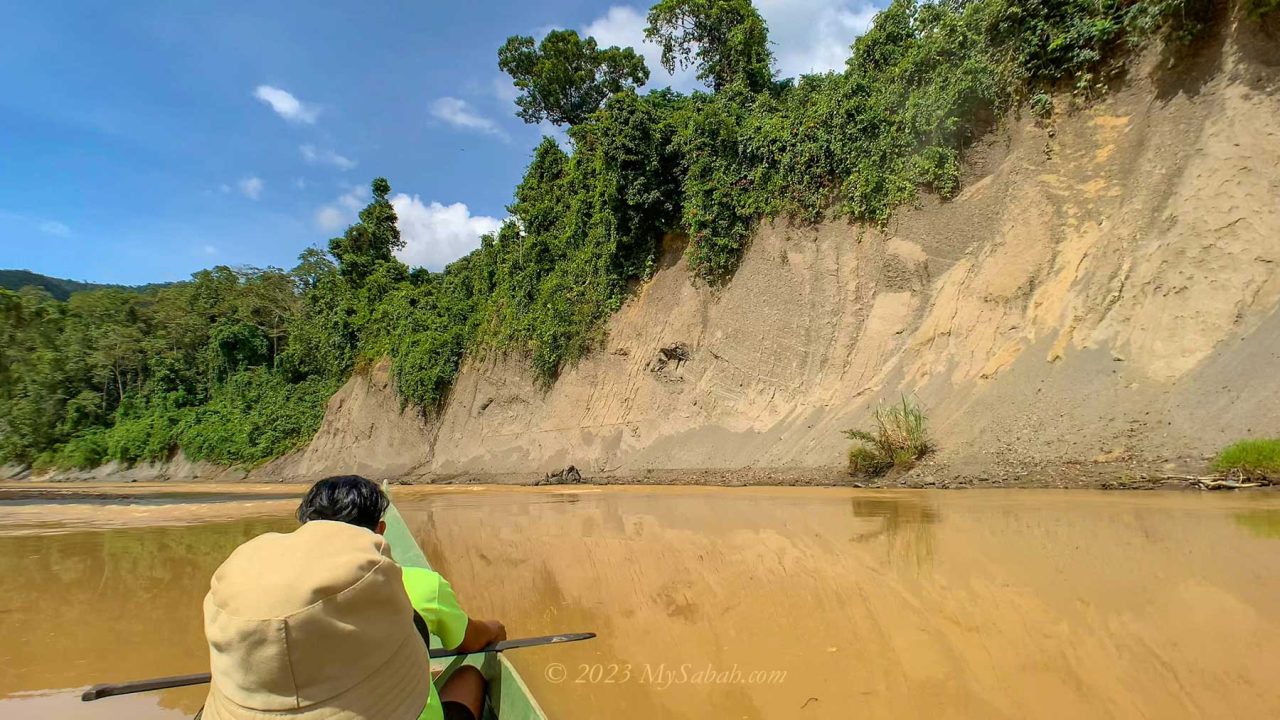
(366,430)
(1107,284)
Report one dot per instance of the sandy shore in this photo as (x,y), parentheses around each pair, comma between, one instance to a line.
(1092,475)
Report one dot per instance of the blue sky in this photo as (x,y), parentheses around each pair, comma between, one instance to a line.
(141,141)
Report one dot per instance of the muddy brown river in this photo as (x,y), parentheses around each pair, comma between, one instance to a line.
(710,603)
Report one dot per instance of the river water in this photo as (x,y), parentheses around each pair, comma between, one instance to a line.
(709,602)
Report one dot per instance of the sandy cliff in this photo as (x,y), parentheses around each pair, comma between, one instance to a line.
(1107,284)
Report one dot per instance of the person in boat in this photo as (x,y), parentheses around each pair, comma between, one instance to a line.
(358,501)
(322,624)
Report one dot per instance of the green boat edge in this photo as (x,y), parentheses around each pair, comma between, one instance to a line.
(509,697)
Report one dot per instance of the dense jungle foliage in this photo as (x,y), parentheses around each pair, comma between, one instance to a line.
(235,366)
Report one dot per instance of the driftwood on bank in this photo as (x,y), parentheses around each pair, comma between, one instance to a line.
(1232,480)
(567,476)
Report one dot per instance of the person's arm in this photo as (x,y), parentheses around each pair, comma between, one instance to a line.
(437,610)
(481,634)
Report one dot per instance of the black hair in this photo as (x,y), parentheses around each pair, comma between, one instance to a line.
(350,499)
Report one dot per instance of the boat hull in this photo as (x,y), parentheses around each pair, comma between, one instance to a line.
(509,697)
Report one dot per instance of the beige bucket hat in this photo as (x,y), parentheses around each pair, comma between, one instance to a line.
(313,624)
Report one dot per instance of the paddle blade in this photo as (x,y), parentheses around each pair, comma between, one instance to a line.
(516,644)
(544,640)
(97,692)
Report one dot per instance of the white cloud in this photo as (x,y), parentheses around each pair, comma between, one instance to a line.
(436,235)
(623,26)
(330,218)
(559,133)
(813,36)
(354,198)
(55,228)
(251,187)
(324,156)
(343,210)
(32,222)
(808,36)
(504,89)
(460,114)
(286,105)
(209,250)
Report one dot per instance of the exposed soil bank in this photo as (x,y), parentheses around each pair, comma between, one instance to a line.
(1102,476)
(1100,303)
(1098,306)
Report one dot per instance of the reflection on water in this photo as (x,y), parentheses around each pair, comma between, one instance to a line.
(990,604)
(724,603)
(1263,523)
(905,525)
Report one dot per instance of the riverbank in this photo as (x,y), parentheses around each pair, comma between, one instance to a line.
(1099,474)
(1066,476)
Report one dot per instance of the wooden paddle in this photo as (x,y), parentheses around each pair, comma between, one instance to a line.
(98,692)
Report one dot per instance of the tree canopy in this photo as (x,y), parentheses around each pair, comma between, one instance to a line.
(371,241)
(726,40)
(565,78)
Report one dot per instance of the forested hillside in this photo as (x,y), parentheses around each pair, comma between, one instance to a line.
(59,288)
(236,365)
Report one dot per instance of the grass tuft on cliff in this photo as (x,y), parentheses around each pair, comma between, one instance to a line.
(899,439)
(1257,459)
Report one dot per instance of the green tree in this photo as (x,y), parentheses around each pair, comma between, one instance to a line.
(726,40)
(31,377)
(637,178)
(314,265)
(371,241)
(11,322)
(321,335)
(235,345)
(268,298)
(565,78)
(110,328)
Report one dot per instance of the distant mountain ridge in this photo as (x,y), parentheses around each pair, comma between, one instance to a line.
(59,288)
